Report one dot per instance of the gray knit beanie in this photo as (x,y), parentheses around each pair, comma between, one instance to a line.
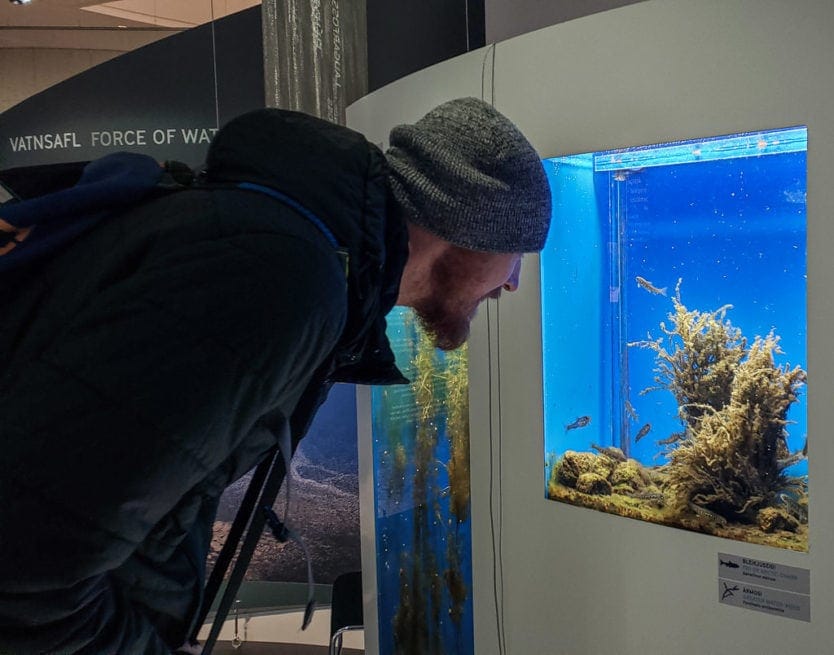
(467,174)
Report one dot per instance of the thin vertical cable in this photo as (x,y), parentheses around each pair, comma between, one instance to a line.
(495,595)
(497,552)
(214,64)
(466,10)
(500,471)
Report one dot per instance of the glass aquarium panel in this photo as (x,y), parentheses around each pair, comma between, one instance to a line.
(674,335)
(422,491)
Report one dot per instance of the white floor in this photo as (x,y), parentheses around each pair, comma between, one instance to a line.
(285,628)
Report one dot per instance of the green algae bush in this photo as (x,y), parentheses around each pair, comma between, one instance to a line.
(733,401)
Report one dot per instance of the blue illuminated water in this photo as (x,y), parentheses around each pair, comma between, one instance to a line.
(423,551)
(726,216)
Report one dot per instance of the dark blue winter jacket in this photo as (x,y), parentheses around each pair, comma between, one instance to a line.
(147,365)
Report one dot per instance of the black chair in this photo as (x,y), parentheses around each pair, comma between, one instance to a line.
(345,608)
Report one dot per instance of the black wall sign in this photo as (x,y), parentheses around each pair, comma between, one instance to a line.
(409,35)
(165,99)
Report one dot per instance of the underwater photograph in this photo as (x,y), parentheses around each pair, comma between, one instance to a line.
(674,335)
(422,498)
(325,504)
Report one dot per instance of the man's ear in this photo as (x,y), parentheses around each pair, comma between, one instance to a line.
(424,249)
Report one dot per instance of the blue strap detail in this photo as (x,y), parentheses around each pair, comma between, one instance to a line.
(106,186)
(301,209)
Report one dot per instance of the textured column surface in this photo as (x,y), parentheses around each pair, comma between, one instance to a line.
(315,55)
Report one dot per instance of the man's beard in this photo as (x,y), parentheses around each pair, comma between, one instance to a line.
(445,323)
(446,315)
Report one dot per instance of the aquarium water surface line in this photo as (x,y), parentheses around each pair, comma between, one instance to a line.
(731,146)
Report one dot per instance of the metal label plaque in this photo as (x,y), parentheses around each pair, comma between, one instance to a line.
(764,586)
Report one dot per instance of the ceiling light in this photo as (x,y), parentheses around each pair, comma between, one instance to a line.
(20,2)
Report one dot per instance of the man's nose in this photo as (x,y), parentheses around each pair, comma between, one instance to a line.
(512,282)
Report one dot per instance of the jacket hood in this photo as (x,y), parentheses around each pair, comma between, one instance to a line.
(336,174)
(323,166)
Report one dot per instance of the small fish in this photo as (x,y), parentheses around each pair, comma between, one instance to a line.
(652,496)
(729,565)
(643,432)
(676,436)
(648,286)
(793,508)
(795,458)
(610,451)
(580,422)
(629,408)
(707,514)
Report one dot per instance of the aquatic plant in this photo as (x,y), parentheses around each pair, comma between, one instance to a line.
(410,622)
(733,400)
(629,474)
(700,364)
(597,474)
(429,591)
(773,519)
(395,457)
(398,470)
(457,428)
(411,625)
(573,464)
(458,591)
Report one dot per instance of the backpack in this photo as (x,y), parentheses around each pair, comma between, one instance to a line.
(33,228)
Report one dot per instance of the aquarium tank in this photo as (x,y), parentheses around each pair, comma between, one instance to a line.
(674,335)
(422,498)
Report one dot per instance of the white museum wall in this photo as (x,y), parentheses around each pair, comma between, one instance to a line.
(575,581)
(504,19)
